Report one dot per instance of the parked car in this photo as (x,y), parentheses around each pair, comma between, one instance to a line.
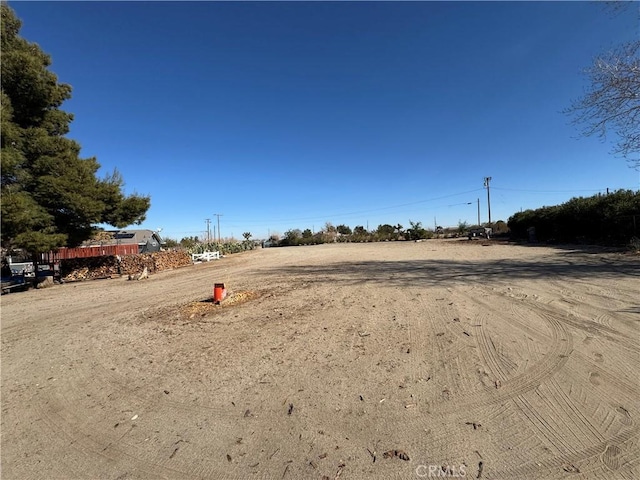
(15,278)
(480,232)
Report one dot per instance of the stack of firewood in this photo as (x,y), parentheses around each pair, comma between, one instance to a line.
(76,274)
(75,269)
(170,260)
(111,266)
(132,264)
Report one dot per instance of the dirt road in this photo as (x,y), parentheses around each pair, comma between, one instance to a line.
(451,357)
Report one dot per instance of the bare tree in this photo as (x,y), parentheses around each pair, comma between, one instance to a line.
(612,102)
(615,7)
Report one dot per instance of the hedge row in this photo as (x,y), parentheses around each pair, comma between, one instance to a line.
(612,219)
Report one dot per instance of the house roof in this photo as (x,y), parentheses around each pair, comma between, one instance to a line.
(125,237)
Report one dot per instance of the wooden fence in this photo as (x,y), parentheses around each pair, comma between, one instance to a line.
(205,256)
(86,252)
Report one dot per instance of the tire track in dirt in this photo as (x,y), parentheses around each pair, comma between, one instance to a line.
(608,296)
(95,455)
(587,460)
(417,344)
(487,349)
(546,431)
(563,292)
(607,293)
(510,387)
(596,317)
(521,384)
(582,430)
(561,417)
(573,413)
(601,327)
(573,422)
(524,306)
(448,346)
(539,375)
(447,318)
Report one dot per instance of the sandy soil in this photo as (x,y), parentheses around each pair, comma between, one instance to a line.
(453,357)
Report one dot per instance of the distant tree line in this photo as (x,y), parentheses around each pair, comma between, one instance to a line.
(344,233)
(383,233)
(612,219)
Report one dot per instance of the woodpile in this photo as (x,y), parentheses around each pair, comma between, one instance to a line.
(135,264)
(109,266)
(74,269)
(168,260)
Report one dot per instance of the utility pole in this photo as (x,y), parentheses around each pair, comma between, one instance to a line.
(218,215)
(208,221)
(487,180)
(478,212)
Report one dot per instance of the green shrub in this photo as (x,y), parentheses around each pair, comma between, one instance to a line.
(603,219)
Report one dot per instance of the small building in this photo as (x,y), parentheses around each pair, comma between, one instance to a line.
(147,240)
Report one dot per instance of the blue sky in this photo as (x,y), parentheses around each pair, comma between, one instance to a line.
(283,115)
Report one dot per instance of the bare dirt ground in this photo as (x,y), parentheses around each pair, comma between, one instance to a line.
(454,358)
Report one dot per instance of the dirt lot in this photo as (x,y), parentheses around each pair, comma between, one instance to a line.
(454,358)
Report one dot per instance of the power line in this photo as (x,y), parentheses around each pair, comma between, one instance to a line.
(324,217)
(242,223)
(547,191)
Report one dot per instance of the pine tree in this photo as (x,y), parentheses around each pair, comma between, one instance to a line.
(50,196)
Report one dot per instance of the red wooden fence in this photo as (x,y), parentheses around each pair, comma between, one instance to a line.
(94,251)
